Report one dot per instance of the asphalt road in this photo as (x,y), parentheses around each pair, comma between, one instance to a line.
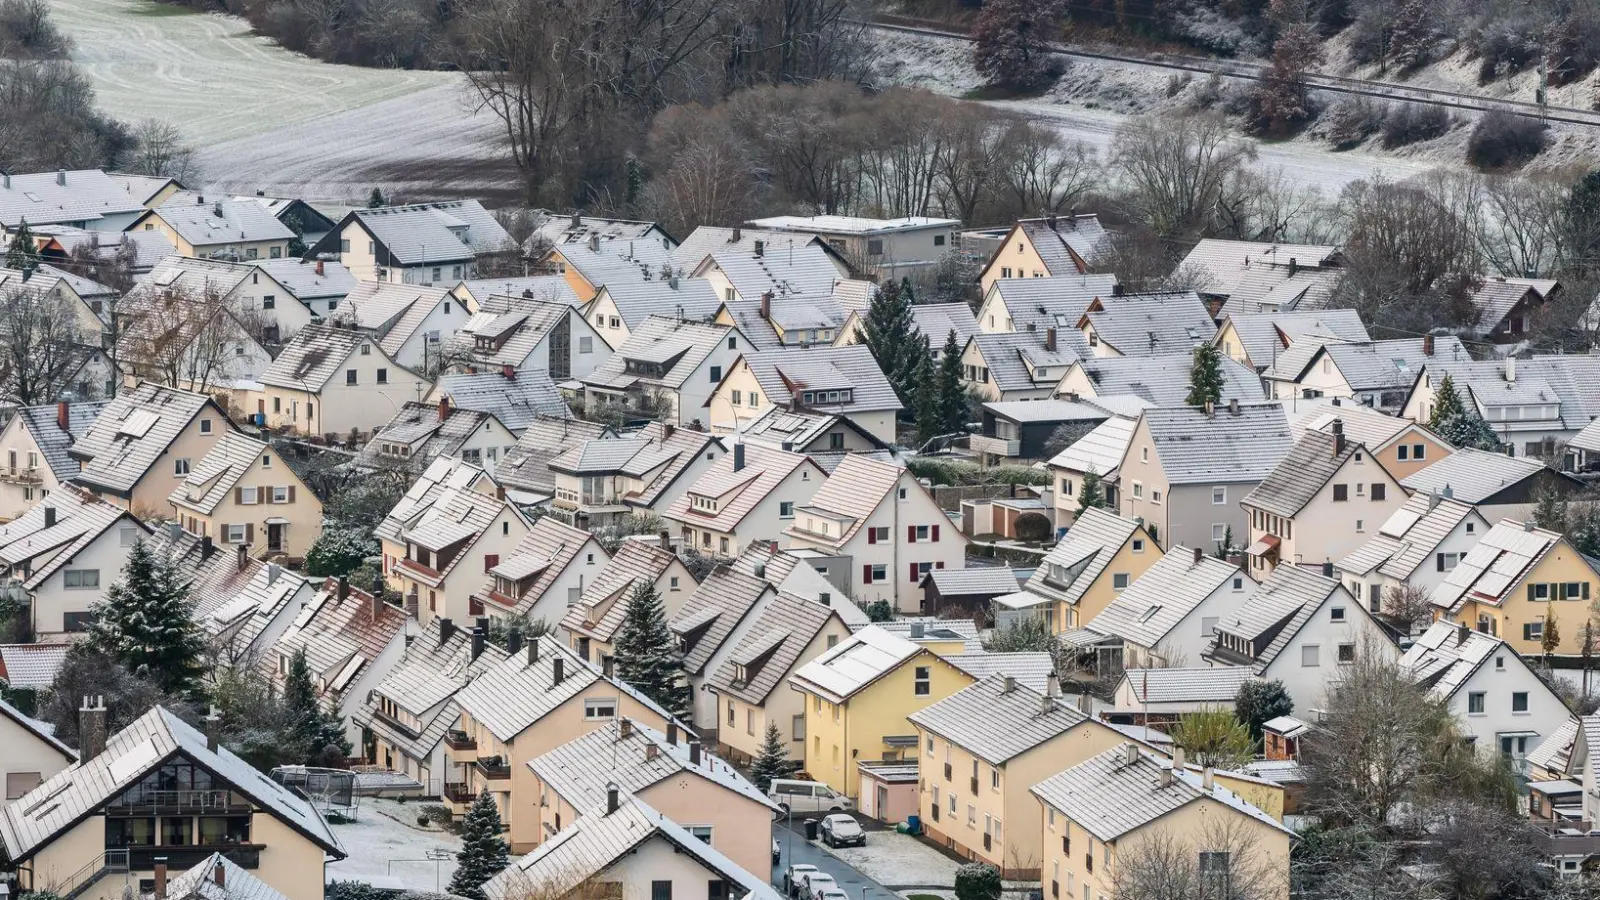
(796,849)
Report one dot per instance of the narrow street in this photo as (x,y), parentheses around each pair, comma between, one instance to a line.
(796,849)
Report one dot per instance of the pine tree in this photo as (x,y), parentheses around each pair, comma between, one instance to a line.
(890,333)
(926,398)
(483,851)
(1446,403)
(314,736)
(774,760)
(376,199)
(22,252)
(1413,37)
(146,622)
(953,413)
(1549,509)
(1226,544)
(646,654)
(1091,495)
(1205,377)
(1459,424)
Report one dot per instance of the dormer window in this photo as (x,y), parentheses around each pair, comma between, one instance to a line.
(703,504)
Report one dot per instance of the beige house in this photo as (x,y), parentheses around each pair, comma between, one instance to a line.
(1417,545)
(1025,365)
(98,829)
(1101,555)
(218,227)
(591,265)
(591,625)
(1146,324)
(543,576)
(143,445)
(1046,247)
(1034,304)
(539,699)
(86,300)
(332,381)
(425,243)
(243,488)
(749,684)
(1257,340)
(1100,452)
(1398,444)
(981,751)
(704,795)
(622,306)
(32,753)
(62,555)
(880,516)
(1127,801)
(599,482)
(411,323)
(750,494)
(844,381)
(1185,469)
(35,443)
(1322,501)
(706,625)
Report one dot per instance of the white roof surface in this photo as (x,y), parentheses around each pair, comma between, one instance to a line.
(854,663)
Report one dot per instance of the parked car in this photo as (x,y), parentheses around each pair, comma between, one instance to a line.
(807,796)
(833,895)
(794,877)
(817,884)
(840,830)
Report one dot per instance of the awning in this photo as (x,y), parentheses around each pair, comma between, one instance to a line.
(277,520)
(1268,544)
(1506,734)
(900,740)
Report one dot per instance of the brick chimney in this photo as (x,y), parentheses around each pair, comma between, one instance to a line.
(160,891)
(444,408)
(220,874)
(1338,437)
(509,372)
(319,267)
(91,728)
(1050,339)
(63,415)
(766,305)
(1427,345)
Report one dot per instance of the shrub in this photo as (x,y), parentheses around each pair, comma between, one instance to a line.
(422,821)
(1353,120)
(1502,140)
(1507,46)
(978,881)
(1414,122)
(1033,527)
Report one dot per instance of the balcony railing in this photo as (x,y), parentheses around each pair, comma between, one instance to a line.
(178,859)
(395,722)
(459,793)
(494,768)
(996,446)
(151,803)
(459,740)
(20,474)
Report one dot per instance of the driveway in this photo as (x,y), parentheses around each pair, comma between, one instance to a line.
(796,849)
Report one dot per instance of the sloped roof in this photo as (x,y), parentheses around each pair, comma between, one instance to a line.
(1285,592)
(1224,447)
(43,423)
(1572,382)
(976,580)
(1447,654)
(937,320)
(546,550)
(203,223)
(1555,751)
(426,233)
(552,288)
(634,562)
(1091,542)
(79,195)
(686,298)
(29,823)
(212,478)
(1067,243)
(234,601)
(1222,264)
(578,229)
(682,346)
(1301,473)
(1150,324)
(527,465)
(738,492)
(616,262)
(1101,450)
(201,882)
(339,637)
(31,666)
(853,490)
(713,611)
(1361,423)
(1039,303)
(300,277)
(582,770)
(391,312)
(79,518)
(784,373)
(418,426)
(1495,565)
(1164,380)
(1157,601)
(779,427)
(1473,476)
(45,733)
(854,663)
(800,270)
(1265,336)
(1409,537)
(133,431)
(313,356)
(528,320)
(706,239)
(1495,298)
(996,724)
(516,400)
(772,645)
(1198,684)
(1019,361)
(424,683)
(1281,287)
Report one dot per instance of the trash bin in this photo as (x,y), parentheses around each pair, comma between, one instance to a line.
(914,824)
(811,829)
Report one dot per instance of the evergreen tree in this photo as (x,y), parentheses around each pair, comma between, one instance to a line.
(1091,495)
(376,199)
(483,851)
(1446,403)
(953,412)
(1458,423)
(1259,702)
(1226,544)
(926,400)
(22,252)
(1550,641)
(890,333)
(1549,509)
(146,622)
(646,655)
(1205,377)
(313,736)
(774,760)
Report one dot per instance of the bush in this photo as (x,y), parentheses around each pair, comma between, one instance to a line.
(1502,140)
(1353,120)
(1507,46)
(978,881)
(1414,122)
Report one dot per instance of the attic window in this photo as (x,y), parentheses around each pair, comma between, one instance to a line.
(1150,613)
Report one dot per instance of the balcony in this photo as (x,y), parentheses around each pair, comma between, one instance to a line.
(395,723)
(494,768)
(995,446)
(20,474)
(459,794)
(180,858)
(460,742)
(158,803)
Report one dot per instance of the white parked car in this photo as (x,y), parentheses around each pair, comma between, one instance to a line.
(794,878)
(818,884)
(833,895)
(840,830)
(807,796)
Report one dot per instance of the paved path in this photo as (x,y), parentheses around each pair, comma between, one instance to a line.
(796,849)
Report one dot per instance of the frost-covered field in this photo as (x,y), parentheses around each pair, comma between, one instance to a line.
(268,119)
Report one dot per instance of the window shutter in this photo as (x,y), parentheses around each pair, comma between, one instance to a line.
(872,535)
(913,572)
(1586,590)
(938,565)
(249,533)
(1530,593)
(490,560)
(291,493)
(866,574)
(238,496)
(933,534)
(911,534)
(1439,557)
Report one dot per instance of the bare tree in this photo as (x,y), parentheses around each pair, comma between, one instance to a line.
(1043,172)
(41,345)
(1406,605)
(160,150)
(1226,860)
(1176,169)
(186,338)
(1519,232)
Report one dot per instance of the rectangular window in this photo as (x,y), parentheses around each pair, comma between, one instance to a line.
(601,708)
(1401,452)
(205,428)
(1417,451)
(1219,496)
(1336,614)
(1341,493)
(1476,703)
(349,376)
(233,534)
(1310,655)
(1347,654)
(924,681)
(1519,702)
(1380,492)
(716,374)
(786,509)
(280,494)
(180,466)
(1119,580)
(383,376)
(585,345)
(661,890)
(81,578)
(880,572)
(1533,631)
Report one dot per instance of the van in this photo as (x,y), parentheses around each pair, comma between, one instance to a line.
(807,796)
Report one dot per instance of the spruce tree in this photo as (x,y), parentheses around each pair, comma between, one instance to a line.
(313,736)
(146,622)
(953,412)
(1458,423)
(925,400)
(646,655)
(1205,377)
(889,334)
(1550,641)
(773,762)
(376,199)
(1091,495)
(1446,403)
(22,252)
(483,852)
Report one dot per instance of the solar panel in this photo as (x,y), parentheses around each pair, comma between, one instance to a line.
(138,423)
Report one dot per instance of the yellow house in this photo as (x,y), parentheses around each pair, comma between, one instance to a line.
(1045,247)
(143,445)
(243,492)
(240,229)
(706,796)
(1512,580)
(97,829)
(858,697)
(1100,557)
(1109,816)
(35,445)
(788,632)
(982,749)
(538,699)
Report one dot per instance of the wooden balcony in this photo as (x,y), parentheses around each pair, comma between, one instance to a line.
(494,768)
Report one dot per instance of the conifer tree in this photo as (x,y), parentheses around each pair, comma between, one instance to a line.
(22,252)
(925,400)
(890,333)
(953,413)
(1205,377)
(1446,403)
(773,762)
(314,736)
(1091,494)
(1457,423)
(646,655)
(1550,641)
(146,621)
(483,852)
(376,199)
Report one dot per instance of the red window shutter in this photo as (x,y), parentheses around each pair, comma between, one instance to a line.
(934,533)
(913,572)
(911,534)
(872,535)
(938,565)
(490,560)
(866,574)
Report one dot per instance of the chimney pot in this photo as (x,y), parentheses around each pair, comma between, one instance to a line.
(377,605)
(1233,406)
(91,728)
(612,799)
(761,249)
(477,642)
(219,875)
(738,235)
(766,298)
(1211,409)
(1130,753)
(1198,554)
(344,588)
(243,557)
(447,630)
(1427,345)
(63,415)
(533,650)
(1010,684)
(1327,568)
(273,571)
(594,242)
(319,267)
(666,540)
(174,531)
(61,177)
(625,727)
(213,726)
(1050,339)
(513,641)
(509,372)
(668,430)
(1208,778)
(1528,525)
(444,408)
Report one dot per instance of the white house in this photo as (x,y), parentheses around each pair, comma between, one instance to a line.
(1169,615)
(63,554)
